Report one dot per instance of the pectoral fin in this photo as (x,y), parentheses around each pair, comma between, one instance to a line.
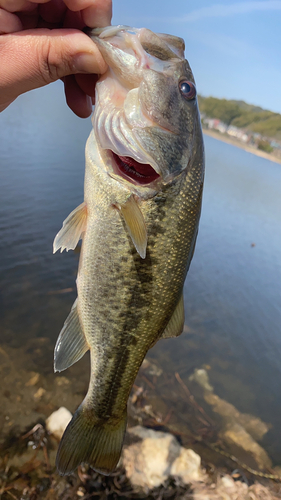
(71,344)
(135,224)
(175,326)
(72,229)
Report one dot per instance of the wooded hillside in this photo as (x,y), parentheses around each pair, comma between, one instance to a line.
(242,115)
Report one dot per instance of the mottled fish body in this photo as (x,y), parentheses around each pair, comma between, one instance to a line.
(139,222)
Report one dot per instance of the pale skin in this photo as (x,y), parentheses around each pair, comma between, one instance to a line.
(42,41)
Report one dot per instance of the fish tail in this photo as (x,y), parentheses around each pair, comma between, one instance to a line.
(88,440)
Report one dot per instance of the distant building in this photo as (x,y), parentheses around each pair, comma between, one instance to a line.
(251,138)
(275,144)
(222,128)
(238,133)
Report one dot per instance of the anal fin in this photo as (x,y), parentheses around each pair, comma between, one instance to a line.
(72,229)
(135,224)
(175,326)
(71,344)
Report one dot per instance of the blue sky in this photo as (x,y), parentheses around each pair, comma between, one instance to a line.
(234,48)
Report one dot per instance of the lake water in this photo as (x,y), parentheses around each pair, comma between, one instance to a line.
(232,292)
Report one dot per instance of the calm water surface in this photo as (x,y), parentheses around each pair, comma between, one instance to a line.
(232,292)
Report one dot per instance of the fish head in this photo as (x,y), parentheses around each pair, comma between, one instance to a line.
(146,114)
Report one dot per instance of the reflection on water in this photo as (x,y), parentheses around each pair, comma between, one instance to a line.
(232,293)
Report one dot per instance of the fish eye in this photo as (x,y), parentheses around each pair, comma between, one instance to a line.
(187,90)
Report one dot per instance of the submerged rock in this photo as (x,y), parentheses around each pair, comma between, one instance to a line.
(33,379)
(158,455)
(253,425)
(151,368)
(236,434)
(239,429)
(56,423)
(39,393)
(200,376)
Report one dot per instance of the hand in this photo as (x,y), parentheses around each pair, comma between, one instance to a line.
(38,45)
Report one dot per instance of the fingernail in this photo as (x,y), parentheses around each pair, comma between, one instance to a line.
(86,63)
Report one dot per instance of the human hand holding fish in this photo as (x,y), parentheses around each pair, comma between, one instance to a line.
(41,41)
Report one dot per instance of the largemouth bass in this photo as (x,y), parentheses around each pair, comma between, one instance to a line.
(138,224)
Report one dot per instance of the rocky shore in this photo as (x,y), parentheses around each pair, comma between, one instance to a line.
(153,466)
(193,445)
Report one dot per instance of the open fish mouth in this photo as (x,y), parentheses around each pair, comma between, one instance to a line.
(133,171)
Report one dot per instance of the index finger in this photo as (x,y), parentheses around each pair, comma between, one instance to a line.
(99,15)
(95,13)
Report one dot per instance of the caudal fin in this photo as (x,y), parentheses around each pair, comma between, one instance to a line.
(86,440)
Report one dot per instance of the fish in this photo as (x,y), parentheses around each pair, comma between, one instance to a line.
(144,174)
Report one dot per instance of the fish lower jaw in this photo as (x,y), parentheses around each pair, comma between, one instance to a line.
(137,173)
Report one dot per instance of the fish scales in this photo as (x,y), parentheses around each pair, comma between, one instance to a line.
(139,224)
(126,306)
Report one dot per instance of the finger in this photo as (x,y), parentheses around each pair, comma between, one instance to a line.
(43,24)
(53,11)
(19,5)
(77,100)
(27,12)
(95,13)
(34,58)
(76,5)
(29,20)
(98,15)
(87,83)
(4,105)
(73,20)
(9,23)
(15,5)
(48,14)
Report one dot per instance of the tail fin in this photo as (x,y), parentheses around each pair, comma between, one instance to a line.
(87,440)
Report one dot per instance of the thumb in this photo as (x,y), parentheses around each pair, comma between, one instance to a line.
(34,58)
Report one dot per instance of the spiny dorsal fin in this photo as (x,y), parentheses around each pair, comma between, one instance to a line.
(135,224)
(71,344)
(175,326)
(72,229)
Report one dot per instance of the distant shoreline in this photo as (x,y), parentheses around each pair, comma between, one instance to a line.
(238,144)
